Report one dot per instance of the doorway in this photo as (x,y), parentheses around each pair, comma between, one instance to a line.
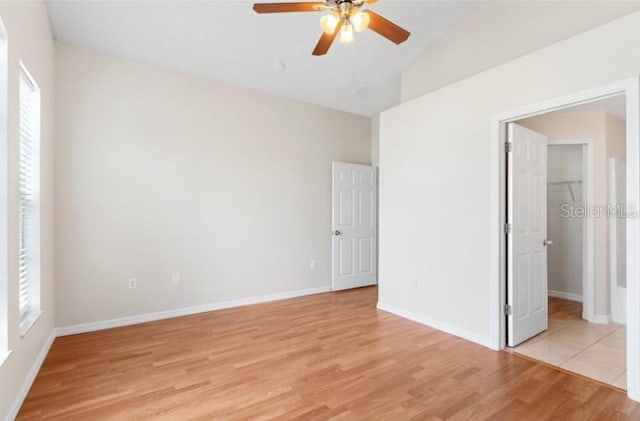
(585,342)
(499,249)
(566,188)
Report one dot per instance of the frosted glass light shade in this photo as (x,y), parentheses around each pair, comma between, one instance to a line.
(360,21)
(328,23)
(346,34)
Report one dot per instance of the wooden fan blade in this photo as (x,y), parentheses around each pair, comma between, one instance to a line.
(370,1)
(323,45)
(288,7)
(386,28)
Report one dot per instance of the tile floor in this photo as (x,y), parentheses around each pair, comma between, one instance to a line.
(593,350)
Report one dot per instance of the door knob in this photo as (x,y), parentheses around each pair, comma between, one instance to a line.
(547,243)
(336,232)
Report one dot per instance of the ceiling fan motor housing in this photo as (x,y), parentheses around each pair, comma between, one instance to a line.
(344,7)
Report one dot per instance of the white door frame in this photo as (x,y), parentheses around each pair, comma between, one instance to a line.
(588,227)
(497,245)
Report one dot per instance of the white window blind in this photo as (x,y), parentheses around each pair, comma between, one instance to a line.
(29,270)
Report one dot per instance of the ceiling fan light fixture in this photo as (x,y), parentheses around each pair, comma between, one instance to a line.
(360,21)
(344,18)
(329,22)
(346,33)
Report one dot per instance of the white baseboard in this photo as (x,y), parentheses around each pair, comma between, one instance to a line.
(185,311)
(564,295)
(436,324)
(603,319)
(31,376)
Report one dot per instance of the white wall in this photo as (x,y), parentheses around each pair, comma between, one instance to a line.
(616,148)
(499,31)
(30,40)
(616,137)
(160,172)
(375,140)
(436,170)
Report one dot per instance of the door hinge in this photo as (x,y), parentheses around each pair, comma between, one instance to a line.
(508,310)
(508,147)
(507,228)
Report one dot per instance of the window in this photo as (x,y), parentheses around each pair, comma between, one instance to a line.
(29,188)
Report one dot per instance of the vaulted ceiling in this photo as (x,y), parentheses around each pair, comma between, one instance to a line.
(228,41)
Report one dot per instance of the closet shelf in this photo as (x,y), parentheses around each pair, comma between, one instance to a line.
(568,183)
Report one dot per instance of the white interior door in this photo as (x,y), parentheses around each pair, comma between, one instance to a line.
(527,240)
(354,226)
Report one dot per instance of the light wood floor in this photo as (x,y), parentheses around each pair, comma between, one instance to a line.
(564,309)
(328,356)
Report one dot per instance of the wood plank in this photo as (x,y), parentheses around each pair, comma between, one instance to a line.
(325,356)
(564,309)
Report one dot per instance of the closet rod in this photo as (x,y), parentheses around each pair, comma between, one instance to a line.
(563,182)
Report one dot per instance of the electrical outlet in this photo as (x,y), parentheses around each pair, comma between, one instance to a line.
(133,283)
(313,265)
(175,278)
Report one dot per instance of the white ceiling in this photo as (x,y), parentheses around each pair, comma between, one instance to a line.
(228,41)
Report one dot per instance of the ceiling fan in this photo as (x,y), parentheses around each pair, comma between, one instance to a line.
(344,17)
